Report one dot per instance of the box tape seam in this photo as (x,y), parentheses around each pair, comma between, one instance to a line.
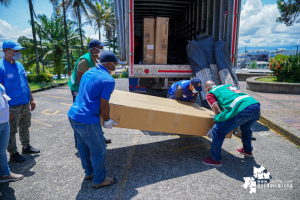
(150,117)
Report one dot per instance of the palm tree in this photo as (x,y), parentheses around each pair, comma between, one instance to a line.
(7,3)
(77,7)
(100,15)
(52,31)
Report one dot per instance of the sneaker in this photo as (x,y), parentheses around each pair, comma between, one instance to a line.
(212,162)
(11,178)
(107,140)
(30,149)
(89,177)
(249,154)
(16,157)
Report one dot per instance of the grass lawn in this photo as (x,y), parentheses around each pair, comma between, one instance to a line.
(34,86)
(272,80)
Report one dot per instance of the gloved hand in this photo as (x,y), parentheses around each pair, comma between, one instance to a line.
(109,123)
(209,134)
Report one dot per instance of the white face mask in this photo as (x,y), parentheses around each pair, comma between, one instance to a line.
(195,91)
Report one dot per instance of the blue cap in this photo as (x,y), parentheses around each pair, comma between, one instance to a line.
(9,44)
(108,56)
(197,84)
(96,43)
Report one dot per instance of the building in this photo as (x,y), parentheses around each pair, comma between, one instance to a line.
(258,55)
(260,64)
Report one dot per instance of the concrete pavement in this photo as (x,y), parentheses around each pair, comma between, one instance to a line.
(148,165)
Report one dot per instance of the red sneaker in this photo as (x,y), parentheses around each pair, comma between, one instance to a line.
(249,154)
(212,162)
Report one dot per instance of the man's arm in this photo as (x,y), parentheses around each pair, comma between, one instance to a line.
(213,102)
(82,67)
(32,103)
(216,109)
(104,109)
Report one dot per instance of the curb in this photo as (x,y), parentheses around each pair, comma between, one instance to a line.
(48,87)
(286,134)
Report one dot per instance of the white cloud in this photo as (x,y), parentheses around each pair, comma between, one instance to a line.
(8,32)
(258,27)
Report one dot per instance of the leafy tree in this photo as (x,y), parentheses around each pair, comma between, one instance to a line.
(289,11)
(77,7)
(253,64)
(52,31)
(6,3)
(100,15)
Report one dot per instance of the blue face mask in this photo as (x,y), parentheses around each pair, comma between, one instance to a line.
(16,56)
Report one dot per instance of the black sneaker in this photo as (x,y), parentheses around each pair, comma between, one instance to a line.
(16,157)
(107,140)
(30,149)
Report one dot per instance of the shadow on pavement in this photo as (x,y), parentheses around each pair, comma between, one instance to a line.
(161,161)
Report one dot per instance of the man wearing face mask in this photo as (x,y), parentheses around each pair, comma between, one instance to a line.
(83,64)
(84,116)
(13,77)
(185,90)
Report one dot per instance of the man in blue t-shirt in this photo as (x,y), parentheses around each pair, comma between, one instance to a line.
(14,79)
(185,90)
(96,86)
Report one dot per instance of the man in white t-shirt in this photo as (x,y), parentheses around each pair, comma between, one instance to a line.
(5,174)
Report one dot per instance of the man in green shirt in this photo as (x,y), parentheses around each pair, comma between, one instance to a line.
(83,64)
(232,108)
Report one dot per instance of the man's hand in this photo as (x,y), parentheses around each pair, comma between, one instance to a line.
(11,115)
(109,123)
(32,105)
(209,134)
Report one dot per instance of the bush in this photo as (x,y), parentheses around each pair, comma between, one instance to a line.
(114,76)
(286,68)
(43,77)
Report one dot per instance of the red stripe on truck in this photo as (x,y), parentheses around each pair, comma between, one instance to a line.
(132,37)
(173,71)
(234,30)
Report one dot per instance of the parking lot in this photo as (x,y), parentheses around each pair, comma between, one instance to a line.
(148,165)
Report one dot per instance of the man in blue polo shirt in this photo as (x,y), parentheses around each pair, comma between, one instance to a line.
(96,86)
(13,77)
(185,90)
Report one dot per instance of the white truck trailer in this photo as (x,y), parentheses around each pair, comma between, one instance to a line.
(187,18)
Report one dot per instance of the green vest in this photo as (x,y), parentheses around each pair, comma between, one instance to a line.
(73,83)
(231,100)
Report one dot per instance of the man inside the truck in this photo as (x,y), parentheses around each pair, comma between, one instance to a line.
(185,90)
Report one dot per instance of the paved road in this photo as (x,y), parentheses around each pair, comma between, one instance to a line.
(148,165)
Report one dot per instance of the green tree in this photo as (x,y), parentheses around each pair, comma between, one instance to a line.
(31,10)
(52,31)
(78,7)
(289,11)
(100,15)
(253,64)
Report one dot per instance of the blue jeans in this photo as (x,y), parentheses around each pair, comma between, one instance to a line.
(245,119)
(4,138)
(90,140)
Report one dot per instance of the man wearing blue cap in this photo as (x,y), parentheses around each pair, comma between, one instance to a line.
(185,90)
(13,77)
(84,116)
(83,64)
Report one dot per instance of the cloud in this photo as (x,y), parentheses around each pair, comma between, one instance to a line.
(8,32)
(258,27)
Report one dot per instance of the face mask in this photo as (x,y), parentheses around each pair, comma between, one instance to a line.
(17,55)
(98,54)
(195,91)
(101,51)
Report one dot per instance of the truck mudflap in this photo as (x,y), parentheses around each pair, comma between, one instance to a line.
(134,87)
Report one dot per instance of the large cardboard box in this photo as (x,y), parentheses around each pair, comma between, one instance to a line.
(149,113)
(148,40)
(161,40)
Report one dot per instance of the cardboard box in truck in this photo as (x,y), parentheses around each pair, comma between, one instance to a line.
(161,40)
(148,40)
(150,113)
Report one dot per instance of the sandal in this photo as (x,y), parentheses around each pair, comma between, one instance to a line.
(112,181)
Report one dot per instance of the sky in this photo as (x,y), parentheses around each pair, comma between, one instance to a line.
(258,28)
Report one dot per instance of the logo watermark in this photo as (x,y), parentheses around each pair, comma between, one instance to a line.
(262,180)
